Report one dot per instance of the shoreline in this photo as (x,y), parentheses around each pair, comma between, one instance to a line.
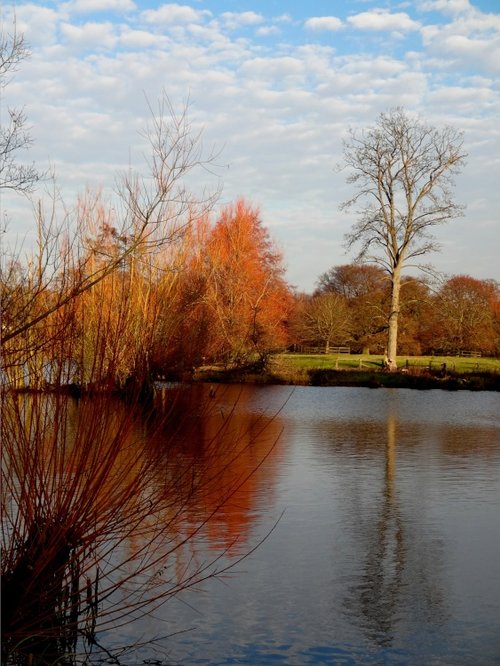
(372,378)
(471,381)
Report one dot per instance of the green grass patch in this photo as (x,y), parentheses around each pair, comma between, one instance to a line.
(419,372)
(302,363)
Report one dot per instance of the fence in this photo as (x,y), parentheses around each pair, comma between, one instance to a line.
(302,349)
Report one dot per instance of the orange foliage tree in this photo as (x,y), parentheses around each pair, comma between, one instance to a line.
(464,316)
(416,311)
(236,298)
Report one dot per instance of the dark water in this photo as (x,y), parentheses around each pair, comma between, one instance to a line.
(379,512)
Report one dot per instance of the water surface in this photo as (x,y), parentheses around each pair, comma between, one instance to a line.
(379,512)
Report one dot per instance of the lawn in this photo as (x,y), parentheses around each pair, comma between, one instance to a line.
(303,362)
(421,372)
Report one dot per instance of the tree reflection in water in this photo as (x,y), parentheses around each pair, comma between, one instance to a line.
(102,510)
(377,592)
(388,574)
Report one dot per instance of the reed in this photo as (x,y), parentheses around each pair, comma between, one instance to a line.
(97,518)
(94,527)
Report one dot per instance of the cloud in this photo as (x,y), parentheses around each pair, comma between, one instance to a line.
(286,68)
(479,50)
(88,6)
(235,20)
(268,30)
(470,41)
(90,35)
(381,20)
(445,6)
(139,39)
(174,13)
(276,109)
(331,23)
(37,24)
(462,98)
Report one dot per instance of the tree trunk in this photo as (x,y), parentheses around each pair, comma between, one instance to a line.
(392,341)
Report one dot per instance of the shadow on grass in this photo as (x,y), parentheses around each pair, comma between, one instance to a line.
(483,381)
(417,379)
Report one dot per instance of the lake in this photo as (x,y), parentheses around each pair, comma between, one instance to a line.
(362,527)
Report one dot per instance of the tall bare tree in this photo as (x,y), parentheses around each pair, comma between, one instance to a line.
(403,169)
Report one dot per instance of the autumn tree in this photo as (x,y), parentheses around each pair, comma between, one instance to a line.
(236,286)
(416,312)
(464,315)
(103,237)
(365,290)
(403,170)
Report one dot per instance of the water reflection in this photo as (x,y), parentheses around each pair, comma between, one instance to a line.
(388,548)
(377,556)
(373,561)
(108,511)
(229,451)
(375,596)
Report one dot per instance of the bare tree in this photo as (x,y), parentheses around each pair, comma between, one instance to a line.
(403,169)
(14,133)
(325,318)
(151,212)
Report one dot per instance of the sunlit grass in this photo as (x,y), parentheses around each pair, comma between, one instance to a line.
(301,363)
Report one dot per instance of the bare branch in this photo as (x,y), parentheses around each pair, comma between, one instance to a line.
(14,134)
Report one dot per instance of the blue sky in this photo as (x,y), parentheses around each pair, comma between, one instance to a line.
(275,87)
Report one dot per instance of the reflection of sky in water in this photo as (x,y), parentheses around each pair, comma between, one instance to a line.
(389,547)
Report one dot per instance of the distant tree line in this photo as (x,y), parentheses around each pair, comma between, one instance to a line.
(351,306)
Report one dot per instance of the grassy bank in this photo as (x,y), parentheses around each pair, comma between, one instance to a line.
(420,372)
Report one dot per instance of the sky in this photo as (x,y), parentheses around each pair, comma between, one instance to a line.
(274,86)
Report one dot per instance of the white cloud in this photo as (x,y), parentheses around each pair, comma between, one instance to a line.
(468,41)
(479,50)
(174,13)
(88,6)
(463,99)
(234,20)
(381,19)
(381,66)
(90,35)
(278,69)
(139,39)
(37,24)
(446,6)
(331,23)
(268,31)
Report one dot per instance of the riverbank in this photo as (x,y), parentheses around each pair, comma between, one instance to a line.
(448,373)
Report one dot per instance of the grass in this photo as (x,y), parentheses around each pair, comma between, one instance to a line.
(420,372)
(300,362)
